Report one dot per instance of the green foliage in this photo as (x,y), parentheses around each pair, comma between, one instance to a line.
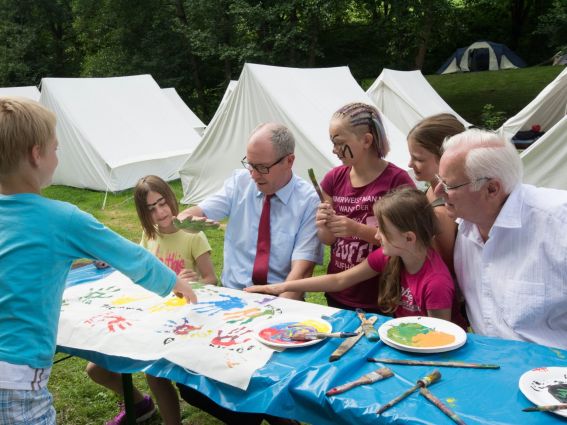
(197,46)
(553,25)
(491,119)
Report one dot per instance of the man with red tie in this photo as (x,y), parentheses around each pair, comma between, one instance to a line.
(270,236)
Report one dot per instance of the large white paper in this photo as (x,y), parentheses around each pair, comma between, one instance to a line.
(214,338)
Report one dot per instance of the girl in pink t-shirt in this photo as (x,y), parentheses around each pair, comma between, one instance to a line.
(345,220)
(414,280)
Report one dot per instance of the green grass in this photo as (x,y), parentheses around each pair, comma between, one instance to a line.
(77,399)
(509,90)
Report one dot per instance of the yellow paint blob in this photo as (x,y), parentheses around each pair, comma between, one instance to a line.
(320,326)
(127,300)
(451,401)
(176,302)
(432,339)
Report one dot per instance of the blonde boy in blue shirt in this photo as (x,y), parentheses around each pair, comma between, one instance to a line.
(39,240)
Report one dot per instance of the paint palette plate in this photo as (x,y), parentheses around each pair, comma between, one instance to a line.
(277,333)
(422,334)
(545,386)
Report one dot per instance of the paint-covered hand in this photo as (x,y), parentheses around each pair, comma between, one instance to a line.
(273,289)
(189,275)
(195,224)
(183,289)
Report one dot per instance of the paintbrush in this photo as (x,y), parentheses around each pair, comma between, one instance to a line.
(348,343)
(547,408)
(369,331)
(369,378)
(421,383)
(434,363)
(438,403)
(315,184)
(322,335)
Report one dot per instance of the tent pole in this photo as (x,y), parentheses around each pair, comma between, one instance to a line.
(105,196)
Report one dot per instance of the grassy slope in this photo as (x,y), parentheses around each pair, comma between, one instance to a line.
(509,91)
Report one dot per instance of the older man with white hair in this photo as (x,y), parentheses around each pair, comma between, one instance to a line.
(511,249)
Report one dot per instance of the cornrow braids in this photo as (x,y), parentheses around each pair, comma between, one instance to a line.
(363,114)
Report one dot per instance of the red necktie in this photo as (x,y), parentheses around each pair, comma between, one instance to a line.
(260,271)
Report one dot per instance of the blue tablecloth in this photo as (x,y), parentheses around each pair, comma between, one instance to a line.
(294,382)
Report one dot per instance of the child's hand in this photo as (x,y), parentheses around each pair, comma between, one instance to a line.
(189,275)
(271,289)
(324,213)
(183,289)
(100,264)
(341,226)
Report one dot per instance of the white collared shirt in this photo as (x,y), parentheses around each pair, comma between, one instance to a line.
(292,227)
(515,283)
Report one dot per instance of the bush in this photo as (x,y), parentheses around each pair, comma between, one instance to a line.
(490,118)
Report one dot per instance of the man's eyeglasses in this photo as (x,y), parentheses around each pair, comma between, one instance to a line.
(447,188)
(262,169)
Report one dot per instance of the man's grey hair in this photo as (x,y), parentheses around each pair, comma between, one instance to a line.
(282,138)
(487,156)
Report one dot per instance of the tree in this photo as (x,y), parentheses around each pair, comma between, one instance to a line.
(553,25)
(37,40)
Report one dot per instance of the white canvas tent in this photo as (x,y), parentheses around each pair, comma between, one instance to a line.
(546,110)
(31,92)
(544,161)
(229,89)
(113,131)
(302,99)
(406,97)
(189,115)
(221,108)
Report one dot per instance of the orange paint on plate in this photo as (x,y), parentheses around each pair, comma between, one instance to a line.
(432,339)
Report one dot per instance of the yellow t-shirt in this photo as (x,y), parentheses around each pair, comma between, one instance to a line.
(177,250)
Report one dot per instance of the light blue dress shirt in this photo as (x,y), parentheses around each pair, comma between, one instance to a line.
(292,227)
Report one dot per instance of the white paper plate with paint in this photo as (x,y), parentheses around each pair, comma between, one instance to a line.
(278,332)
(422,334)
(545,386)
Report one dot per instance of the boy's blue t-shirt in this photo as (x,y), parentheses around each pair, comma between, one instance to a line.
(39,239)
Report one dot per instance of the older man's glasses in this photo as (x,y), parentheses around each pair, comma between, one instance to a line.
(262,169)
(446,188)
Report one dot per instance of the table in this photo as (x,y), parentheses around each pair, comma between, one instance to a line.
(294,382)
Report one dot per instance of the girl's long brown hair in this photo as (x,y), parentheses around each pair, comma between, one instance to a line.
(152,184)
(409,211)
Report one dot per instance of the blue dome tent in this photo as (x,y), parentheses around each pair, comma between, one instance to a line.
(481,56)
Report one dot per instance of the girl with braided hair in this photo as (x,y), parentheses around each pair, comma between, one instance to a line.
(345,220)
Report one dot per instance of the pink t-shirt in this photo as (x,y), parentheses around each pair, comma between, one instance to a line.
(356,203)
(431,288)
